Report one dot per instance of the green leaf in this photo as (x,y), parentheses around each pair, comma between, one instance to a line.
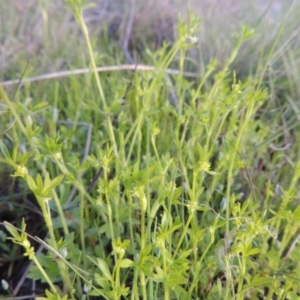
(69,238)
(154,208)
(253,251)
(53,184)
(23,225)
(173,228)
(12,230)
(47,181)
(175,279)
(40,106)
(176,194)
(104,268)
(185,253)
(4,150)
(212,173)
(50,266)
(146,250)
(54,296)
(159,276)
(258,281)
(31,183)
(181,293)
(39,182)
(103,282)
(24,158)
(126,263)
(297,213)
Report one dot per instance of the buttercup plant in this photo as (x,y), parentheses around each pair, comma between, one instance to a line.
(167,189)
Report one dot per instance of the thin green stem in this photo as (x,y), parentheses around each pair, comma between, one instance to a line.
(98,82)
(165,269)
(199,264)
(45,275)
(183,235)
(248,115)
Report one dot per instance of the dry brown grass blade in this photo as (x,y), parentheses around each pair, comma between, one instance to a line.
(100,69)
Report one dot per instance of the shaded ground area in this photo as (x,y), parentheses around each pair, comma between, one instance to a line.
(16,204)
